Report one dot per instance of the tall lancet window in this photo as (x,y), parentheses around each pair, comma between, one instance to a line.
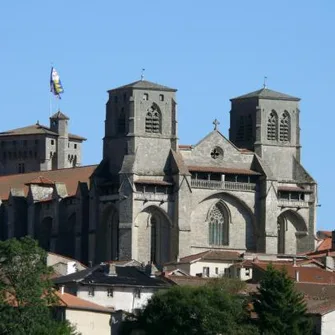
(284,128)
(272,128)
(218,225)
(153,120)
(122,122)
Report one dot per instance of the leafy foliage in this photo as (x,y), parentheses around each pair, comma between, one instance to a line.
(233,286)
(25,290)
(280,308)
(207,310)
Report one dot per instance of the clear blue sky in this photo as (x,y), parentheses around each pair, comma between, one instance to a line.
(209,50)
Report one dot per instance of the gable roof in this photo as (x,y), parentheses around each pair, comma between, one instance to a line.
(265,93)
(147,85)
(211,255)
(36,129)
(70,177)
(41,181)
(125,276)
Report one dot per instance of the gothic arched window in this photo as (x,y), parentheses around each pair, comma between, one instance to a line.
(284,128)
(153,120)
(272,129)
(122,122)
(218,225)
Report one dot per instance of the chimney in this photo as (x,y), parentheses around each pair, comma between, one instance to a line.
(61,289)
(333,240)
(297,276)
(329,263)
(294,261)
(111,270)
(71,267)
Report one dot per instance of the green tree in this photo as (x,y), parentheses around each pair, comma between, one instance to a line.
(206,310)
(280,308)
(26,294)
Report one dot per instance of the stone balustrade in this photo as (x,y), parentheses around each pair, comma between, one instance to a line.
(222,185)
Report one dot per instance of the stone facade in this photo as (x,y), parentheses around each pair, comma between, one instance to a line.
(151,199)
(40,148)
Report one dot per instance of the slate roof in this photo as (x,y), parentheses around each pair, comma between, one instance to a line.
(294,189)
(265,93)
(126,276)
(153,182)
(59,115)
(36,129)
(70,177)
(147,85)
(320,307)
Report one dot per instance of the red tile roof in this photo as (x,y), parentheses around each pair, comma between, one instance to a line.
(211,255)
(41,181)
(326,244)
(73,302)
(188,281)
(184,146)
(307,274)
(70,177)
(222,170)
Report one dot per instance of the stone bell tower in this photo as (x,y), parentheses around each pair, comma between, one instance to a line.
(267,122)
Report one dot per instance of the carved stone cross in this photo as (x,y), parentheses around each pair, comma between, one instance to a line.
(216,123)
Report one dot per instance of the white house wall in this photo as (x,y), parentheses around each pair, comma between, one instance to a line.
(328,324)
(197,267)
(123,297)
(88,323)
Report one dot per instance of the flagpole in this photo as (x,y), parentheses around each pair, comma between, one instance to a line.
(50,93)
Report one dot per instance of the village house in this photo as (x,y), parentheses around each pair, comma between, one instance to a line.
(119,287)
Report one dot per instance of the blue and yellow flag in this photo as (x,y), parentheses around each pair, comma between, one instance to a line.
(55,84)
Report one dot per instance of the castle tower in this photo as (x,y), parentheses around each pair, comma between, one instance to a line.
(267,122)
(59,124)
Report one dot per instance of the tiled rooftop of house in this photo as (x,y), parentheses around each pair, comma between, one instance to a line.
(211,255)
(73,302)
(307,274)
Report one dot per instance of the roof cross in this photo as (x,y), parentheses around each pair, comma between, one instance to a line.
(216,123)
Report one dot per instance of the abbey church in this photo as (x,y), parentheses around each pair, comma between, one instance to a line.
(153,199)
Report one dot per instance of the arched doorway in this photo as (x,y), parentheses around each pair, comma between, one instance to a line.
(44,232)
(159,238)
(107,237)
(291,229)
